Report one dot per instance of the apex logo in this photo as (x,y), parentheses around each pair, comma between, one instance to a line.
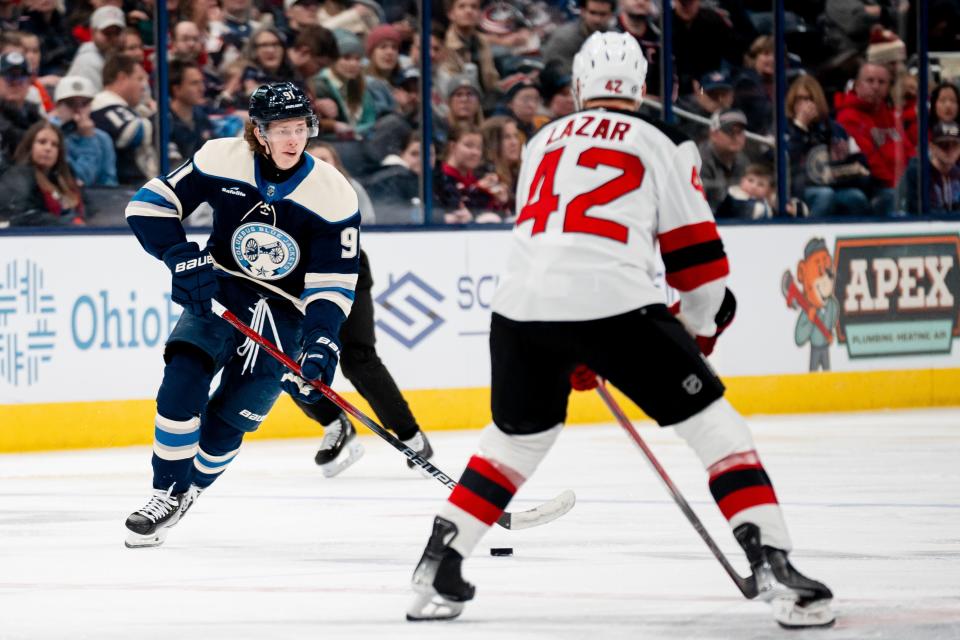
(233,191)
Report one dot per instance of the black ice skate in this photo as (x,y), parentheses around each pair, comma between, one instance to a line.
(421,445)
(339,448)
(797,600)
(440,589)
(188,499)
(147,527)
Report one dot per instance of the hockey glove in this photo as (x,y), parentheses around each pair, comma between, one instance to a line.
(194,282)
(583,378)
(723,319)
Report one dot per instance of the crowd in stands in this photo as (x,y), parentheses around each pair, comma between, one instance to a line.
(78,108)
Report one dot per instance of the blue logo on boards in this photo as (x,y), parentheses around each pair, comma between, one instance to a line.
(26,312)
(264,252)
(409,318)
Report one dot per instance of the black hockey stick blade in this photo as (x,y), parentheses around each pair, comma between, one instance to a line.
(541,514)
(748,586)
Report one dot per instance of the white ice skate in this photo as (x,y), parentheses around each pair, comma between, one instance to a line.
(339,448)
(147,526)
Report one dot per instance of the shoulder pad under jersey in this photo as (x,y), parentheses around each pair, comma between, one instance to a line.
(229,158)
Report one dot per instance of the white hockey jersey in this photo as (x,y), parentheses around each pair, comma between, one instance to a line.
(597,190)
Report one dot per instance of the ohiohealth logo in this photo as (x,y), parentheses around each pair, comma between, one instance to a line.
(26,339)
(410,320)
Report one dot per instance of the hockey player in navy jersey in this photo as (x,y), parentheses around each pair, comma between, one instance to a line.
(283,254)
(597,191)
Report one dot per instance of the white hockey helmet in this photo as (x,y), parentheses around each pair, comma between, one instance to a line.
(609,65)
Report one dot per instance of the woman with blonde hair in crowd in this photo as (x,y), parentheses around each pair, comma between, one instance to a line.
(39,189)
(827,170)
(502,144)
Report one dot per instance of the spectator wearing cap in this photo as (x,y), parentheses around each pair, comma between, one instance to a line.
(468,52)
(189,125)
(867,116)
(44,20)
(343,90)
(566,40)
(463,101)
(383,53)
(713,92)
(113,111)
(724,161)
(827,171)
(39,189)
(28,44)
(753,89)
(523,102)
(944,173)
(90,150)
(106,26)
(388,132)
(16,114)
(698,29)
(636,17)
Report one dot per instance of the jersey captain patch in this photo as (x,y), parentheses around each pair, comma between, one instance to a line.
(264,252)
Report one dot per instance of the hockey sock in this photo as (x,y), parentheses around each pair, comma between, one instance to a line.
(219,445)
(491,479)
(182,396)
(739,484)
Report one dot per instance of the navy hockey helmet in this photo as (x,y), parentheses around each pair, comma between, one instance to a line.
(281,101)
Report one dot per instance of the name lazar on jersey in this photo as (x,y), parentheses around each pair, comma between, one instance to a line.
(589,126)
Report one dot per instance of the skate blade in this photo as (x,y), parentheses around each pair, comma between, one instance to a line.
(430,605)
(140,541)
(791,615)
(352,453)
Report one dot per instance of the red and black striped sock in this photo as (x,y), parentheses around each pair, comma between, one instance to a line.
(739,482)
(484,492)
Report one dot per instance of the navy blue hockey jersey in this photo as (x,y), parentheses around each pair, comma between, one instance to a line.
(298,240)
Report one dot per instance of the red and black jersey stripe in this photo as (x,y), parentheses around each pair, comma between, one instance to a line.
(693,255)
(483,492)
(740,487)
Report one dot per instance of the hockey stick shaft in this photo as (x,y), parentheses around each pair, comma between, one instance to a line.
(540,515)
(748,585)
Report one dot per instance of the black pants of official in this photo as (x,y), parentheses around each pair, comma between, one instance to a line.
(362,366)
(646,353)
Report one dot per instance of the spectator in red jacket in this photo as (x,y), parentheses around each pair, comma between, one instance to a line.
(865,113)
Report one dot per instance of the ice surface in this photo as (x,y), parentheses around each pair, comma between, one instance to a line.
(274,550)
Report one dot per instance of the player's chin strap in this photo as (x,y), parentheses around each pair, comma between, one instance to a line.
(250,347)
(541,514)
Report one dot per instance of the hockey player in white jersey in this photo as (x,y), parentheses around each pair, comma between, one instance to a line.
(597,191)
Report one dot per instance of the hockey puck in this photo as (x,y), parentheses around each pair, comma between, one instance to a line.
(501,551)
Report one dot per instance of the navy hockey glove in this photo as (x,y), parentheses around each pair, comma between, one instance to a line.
(194,282)
(318,362)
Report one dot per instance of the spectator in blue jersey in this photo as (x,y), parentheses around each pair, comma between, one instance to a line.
(89,150)
(124,82)
(283,255)
(189,125)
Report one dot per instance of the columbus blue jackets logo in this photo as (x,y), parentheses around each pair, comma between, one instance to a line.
(264,252)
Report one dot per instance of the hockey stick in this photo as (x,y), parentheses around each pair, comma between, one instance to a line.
(541,514)
(747,586)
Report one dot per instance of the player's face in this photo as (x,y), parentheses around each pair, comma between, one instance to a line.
(45,150)
(288,139)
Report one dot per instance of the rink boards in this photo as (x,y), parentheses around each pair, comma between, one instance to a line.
(83,320)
